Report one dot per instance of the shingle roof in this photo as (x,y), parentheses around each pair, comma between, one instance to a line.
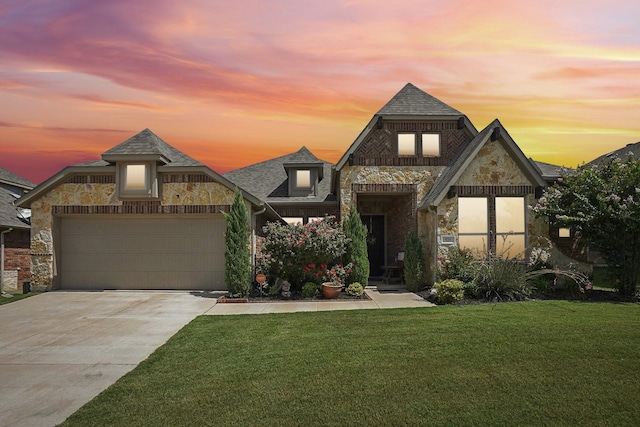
(147,143)
(9,214)
(411,101)
(11,178)
(268,180)
(620,153)
(548,171)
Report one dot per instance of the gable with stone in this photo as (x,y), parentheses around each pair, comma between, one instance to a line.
(145,216)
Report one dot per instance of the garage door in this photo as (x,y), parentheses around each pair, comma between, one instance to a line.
(142,253)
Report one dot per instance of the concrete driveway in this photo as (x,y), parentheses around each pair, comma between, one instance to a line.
(58,350)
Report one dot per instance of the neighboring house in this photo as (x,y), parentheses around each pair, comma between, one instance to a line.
(145,216)
(14,232)
(621,153)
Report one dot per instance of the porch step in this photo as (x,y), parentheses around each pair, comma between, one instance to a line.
(391,287)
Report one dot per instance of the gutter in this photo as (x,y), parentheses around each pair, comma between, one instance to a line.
(2,259)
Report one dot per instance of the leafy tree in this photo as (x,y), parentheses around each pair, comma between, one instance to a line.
(356,250)
(237,271)
(413,263)
(602,204)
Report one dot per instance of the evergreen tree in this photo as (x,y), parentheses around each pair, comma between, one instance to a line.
(413,263)
(356,252)
(237,271)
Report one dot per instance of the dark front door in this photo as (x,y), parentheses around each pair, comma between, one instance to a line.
(375,242)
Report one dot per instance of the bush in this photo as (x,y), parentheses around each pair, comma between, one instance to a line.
(413,263)
(309,290)
(449,291)
(289,250)
(502,279)
(355,289)
(356,249)
(457,263)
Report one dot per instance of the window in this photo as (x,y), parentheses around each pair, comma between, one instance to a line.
(137,180)
(430,144)
(473,224)
(564,232)
(303,178)
(406,144)
(477,233)
(135,177)
(293,220)
(510,241)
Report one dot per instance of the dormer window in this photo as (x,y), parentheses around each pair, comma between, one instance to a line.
(406,144)
(137,180)
(303,179)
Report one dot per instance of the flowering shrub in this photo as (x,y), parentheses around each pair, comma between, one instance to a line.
(297,252)
(602,203)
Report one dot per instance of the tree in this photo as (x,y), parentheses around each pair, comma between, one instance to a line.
(356,250)
(413,263)
(237,255)
(602,204)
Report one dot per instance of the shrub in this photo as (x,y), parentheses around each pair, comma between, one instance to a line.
(502,279)
(309,290)
(449,291)
(413,263)
(470,289)
(289,250)
(457,263)
(355,289)
(237,270)
(356,249)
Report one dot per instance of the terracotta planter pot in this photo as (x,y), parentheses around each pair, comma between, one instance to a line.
(329,290)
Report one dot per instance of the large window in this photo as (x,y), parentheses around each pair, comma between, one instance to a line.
(505,237)
(406,144)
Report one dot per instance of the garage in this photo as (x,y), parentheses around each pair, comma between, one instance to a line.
(141,252)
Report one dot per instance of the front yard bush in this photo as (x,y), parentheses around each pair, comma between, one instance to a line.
(302,253)
(237,256)
(413,263)
(502,279)
(355,289)
(449,291)
(356,249)
(309,290)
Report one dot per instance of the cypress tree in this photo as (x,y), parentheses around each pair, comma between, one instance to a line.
(413,263)
(237,271)
(356,251)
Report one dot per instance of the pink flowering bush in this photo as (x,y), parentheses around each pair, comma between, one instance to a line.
(297,252)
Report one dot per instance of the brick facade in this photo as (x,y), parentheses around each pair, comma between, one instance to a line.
(16,260)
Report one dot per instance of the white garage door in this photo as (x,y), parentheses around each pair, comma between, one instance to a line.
(142,252)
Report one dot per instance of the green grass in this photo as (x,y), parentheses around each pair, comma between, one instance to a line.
(534,363)
(16,297)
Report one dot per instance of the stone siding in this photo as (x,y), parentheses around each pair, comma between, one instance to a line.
(17,260)
(493,166)
(83,193)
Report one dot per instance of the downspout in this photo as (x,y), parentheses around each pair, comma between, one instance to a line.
(2,259)
(253,238)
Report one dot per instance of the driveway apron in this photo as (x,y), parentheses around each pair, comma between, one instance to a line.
(58,350)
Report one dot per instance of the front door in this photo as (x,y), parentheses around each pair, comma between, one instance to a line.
(375,243)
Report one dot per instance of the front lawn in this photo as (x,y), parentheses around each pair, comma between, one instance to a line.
(531,363)
(16,297)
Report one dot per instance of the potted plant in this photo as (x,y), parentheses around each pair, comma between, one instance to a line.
(334,280)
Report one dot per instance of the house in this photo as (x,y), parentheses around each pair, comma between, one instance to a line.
(144,216)
(621,153)
(147,216)
(14,232)
(420,165)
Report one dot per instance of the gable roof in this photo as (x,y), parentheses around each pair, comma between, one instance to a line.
(411,103)
(494,131)
(269,180)
(620,153)
(144,146)
(10,178)
(548,171)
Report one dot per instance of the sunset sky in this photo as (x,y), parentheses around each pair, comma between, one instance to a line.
(232,83)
